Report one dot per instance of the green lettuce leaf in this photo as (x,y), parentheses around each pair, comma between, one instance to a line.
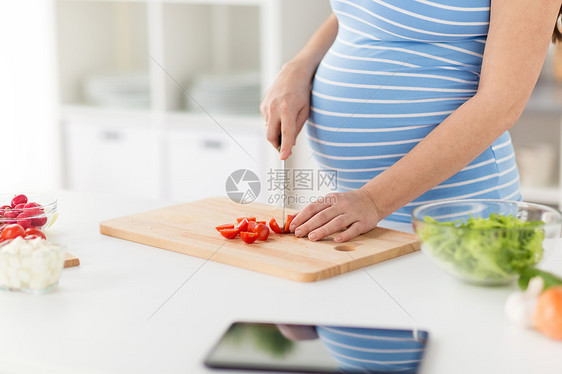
(493,248)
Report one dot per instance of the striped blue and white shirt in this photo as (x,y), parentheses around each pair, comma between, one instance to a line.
(360,350)
(396,70)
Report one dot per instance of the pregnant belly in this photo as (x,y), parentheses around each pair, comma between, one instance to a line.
(372,117)
(365,117)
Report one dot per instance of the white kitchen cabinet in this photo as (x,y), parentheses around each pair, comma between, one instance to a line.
(172,41)
(200,161)
(104,157)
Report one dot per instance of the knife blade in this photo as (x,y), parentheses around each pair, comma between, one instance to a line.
(283,196)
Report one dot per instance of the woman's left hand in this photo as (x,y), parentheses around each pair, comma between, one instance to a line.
(353,211)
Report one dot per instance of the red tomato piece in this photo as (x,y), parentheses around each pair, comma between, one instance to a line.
(263,222)
(274,226)
(288,223)
(230,233)
(11,232)
(225,226)
(252,226)
(262,231)
(32,233)
(243,225)
(248,218)
(248,237)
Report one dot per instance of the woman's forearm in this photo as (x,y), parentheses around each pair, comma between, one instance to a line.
(309,57)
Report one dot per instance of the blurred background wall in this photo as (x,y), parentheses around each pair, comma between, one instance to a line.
(29,138)
(160,99)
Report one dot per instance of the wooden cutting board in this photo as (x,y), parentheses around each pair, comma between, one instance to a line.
(190,229)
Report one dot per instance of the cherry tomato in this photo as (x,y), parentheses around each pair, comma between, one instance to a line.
(23,220)
(248,237)
(225,226)
(243,225)
(230,233)
(274,226)
(11,232)
(248,218)
(252,226)
(32,233)
(262,231)
(38,221)
(288,223)
(4,209)
(19,199)
(11,214)
(32,209)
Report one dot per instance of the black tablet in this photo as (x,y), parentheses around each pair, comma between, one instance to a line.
(297,348)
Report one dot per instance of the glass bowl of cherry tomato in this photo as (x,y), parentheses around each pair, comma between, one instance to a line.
(30,211)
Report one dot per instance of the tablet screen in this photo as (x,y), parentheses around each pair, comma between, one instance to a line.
(318,349)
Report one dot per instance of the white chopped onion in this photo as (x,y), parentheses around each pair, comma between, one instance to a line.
(34,264)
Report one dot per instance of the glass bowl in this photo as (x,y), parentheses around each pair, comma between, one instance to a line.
(41,217)
(486,242)
(30,266)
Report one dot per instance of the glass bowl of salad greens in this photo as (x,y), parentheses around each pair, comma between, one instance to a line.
(486,242)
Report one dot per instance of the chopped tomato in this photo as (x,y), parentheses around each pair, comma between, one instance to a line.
(248,218)
(248,237)
(225,226)
(252,226)
(288,223)
(32,233)
(264,222)
(262,231)
(230,233)
(243,225)
(274,226)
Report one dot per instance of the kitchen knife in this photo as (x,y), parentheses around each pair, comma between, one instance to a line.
(283,196)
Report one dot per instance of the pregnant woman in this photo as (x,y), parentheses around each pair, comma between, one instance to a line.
(410,101)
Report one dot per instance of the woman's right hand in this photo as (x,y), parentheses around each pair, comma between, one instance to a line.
(286,106)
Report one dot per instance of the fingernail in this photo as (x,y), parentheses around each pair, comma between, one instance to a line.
(297,233)
(283,155)
(312,236)
(337,238)
(292,227)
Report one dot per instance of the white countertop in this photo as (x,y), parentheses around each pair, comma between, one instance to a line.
(98,320)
